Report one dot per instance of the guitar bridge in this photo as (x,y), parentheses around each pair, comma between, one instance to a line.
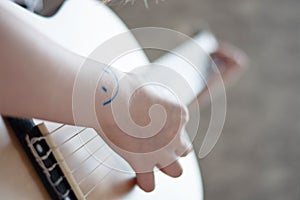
(44,158)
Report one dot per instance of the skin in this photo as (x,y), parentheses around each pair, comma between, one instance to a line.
(38,82)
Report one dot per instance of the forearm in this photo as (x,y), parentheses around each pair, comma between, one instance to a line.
(36,74)
(34,83)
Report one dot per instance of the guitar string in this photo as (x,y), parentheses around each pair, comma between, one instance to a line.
(78,183)
(56,147)
(73,152)
(81,146)
(80,164)
(56,130)
(85,160)
(67,140)
(86,177)
(50,134)
(72,137)
(97,184)
(100,164)
(96,167)
(38,139)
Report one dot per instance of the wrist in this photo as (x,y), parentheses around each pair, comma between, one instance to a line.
(112,95)
(95,88)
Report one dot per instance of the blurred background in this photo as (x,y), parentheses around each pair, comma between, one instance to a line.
(258,154)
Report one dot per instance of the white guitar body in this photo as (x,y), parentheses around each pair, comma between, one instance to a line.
(81,26)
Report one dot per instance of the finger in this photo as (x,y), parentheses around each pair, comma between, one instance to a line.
(224,61)
(174,170)
(185,146)
(231,55)
(146,181)
(184,151)
(184,115)
(231,62)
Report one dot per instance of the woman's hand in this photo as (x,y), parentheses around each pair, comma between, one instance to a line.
(144,124)
(231,61)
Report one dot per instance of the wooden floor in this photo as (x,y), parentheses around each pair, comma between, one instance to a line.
(258,154)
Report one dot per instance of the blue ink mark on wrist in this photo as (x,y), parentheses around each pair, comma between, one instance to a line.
(104,89)
(107,102)
(116,88)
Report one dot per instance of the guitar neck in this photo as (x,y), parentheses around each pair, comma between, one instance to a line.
(185,70)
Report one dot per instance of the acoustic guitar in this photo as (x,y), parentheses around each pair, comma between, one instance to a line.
(68,162)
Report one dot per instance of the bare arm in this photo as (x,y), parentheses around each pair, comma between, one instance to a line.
(37,79)
(36,75)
